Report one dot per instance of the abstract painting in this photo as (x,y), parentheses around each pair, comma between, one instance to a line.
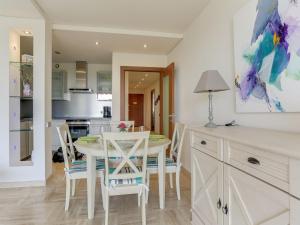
(267,56)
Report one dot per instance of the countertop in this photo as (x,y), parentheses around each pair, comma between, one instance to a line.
(283,143)
(81,118)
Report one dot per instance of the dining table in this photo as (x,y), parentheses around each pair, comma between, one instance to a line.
(93,151)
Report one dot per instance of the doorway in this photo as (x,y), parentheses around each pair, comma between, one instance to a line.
(162,99)
(136,109)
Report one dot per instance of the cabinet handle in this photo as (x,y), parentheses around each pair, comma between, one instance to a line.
(219,204)
(253,161)
(225,209)
(203,142)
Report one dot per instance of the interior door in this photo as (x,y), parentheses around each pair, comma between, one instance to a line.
(136,109)
(167,100)
(250,201)
(207,188)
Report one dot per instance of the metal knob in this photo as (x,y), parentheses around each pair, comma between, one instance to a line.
(253,161)
(225,209)
(219,204)
(203,142)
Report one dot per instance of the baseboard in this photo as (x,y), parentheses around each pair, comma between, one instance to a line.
(38,183)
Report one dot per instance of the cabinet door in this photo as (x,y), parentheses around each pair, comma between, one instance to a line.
(253,202)
(57,85)
(207,188)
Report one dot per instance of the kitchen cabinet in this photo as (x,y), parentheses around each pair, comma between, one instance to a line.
(104,82)
(245,176)
(59,85)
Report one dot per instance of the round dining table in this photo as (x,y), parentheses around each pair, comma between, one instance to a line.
(96,150)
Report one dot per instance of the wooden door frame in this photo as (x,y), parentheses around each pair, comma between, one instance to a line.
(123,70)
(171,103)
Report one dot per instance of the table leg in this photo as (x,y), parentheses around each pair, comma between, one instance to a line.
(161,178)
(91,185)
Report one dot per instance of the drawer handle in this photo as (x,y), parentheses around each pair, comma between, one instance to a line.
(219,204)
(225,209)
(203,142)
(253,161)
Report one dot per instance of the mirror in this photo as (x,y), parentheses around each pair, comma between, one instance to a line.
(21,97)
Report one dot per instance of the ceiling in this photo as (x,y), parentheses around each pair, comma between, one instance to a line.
(150,15)
(20,8)
(81,46)
(142,80)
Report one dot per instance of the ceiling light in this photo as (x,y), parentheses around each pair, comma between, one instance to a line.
(145,46)
(146,75)
(143,79)
(97,43)
(27,32)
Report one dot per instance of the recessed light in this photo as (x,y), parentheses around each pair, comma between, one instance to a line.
(145,46)
(97,42)
(27,32)
(143,79)
(146,75)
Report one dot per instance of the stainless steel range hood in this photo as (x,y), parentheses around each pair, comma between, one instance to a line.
(81,78)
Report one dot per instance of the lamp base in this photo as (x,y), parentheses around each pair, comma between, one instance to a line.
(211,125)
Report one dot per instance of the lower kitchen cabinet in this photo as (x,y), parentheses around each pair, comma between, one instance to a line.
(225,192)
(207,189)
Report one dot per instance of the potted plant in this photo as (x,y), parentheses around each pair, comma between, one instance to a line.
(27,80)
(122,126)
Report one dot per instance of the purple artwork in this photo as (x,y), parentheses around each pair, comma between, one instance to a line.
(268,56)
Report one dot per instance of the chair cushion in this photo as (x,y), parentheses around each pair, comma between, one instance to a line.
(114,182)
(80,166)
(152,162)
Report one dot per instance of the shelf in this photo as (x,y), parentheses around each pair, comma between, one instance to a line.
(21,130)
(21,63)
(22,98)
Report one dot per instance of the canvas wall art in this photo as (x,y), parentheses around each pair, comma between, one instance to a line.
(267,56)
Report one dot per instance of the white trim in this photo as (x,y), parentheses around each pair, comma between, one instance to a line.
(117,31)
(37,183)
(39,10)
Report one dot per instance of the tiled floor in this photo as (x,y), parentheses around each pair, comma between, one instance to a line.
(45,205)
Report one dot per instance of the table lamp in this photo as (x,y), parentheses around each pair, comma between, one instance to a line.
(211,81)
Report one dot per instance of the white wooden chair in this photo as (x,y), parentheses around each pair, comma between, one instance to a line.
(114,126)
(74,169)
(173,163)
(127,175)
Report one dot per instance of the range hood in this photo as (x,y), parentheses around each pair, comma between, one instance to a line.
(81,78)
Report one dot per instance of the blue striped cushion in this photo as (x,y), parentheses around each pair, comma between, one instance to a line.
(152,162)
(80,166)
(114,182)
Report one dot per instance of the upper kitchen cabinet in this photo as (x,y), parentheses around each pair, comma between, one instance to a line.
(59,85)
(21,81)
(104,86)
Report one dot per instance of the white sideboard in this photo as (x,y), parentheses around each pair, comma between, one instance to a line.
(245,176)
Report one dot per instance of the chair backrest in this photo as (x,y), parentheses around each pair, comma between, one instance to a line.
(177,141)
(126,144)
(66,144)
(114,125)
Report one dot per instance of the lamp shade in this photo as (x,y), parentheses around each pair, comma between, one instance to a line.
(211,80)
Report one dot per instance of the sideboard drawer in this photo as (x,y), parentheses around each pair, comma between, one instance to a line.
(208,144)
(267,166)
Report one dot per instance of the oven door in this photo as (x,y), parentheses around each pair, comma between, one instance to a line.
(78,130)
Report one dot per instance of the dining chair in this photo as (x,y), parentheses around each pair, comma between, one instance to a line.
(74,169)
(173,162)
(125,176)
(114,126)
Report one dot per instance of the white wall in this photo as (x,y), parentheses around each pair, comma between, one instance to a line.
(208,44)
(129,59)
(92,73)
(35,173)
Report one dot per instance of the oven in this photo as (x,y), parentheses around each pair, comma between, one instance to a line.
(78,128)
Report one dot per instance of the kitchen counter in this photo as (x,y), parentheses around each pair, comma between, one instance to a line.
(81,118)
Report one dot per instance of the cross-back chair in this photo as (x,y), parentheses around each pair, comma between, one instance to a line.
(173,162)
(127,174)
(74,169)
